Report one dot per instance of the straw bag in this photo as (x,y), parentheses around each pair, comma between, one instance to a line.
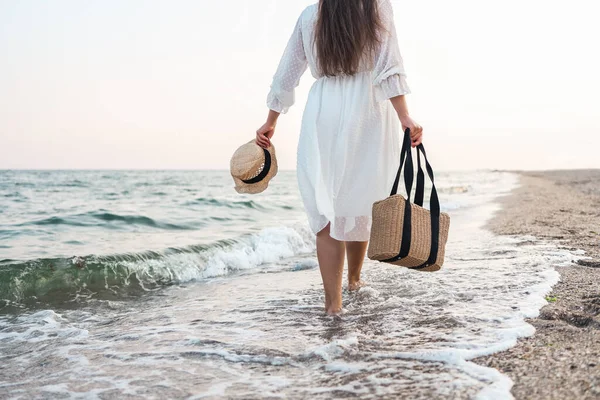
(405,233)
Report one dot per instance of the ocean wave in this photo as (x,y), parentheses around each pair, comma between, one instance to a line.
(14,194)
(61,280)
(96,218)
(204,201)
(454,189)
(76,183)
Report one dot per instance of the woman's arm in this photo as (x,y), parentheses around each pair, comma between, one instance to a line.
(416,131)
(292,66)
(389,78)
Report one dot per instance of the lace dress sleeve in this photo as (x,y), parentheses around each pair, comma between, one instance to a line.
(292,66)
(389,78)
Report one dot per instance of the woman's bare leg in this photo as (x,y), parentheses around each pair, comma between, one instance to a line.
(355,252)
(330,253)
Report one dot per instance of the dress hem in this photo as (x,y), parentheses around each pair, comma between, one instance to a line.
(363,235)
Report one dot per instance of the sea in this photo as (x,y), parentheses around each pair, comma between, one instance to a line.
(170,285)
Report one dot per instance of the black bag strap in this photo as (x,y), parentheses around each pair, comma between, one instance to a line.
(434,203)
(420,193)
(434,209)
(406,162)
(405,155)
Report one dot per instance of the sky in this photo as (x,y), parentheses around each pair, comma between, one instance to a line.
(180,84)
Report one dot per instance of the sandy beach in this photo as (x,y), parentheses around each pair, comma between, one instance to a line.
(562,359)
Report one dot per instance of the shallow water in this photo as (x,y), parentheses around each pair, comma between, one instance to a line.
(236,312)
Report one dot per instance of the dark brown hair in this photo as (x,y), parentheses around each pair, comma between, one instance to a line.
(345,31)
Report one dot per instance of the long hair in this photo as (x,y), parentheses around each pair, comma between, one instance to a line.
(346,30)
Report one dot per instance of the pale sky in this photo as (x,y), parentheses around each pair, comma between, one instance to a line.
(180,84)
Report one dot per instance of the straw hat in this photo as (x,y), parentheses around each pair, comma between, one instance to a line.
(252,167)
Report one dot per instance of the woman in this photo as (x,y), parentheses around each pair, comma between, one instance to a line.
(349,147)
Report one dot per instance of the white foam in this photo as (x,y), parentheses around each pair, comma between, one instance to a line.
(499,385)
(335,348)
(270,245)
(367,292)
(242,358)
(306,264)
(39,326)
(216,390)
(348,368)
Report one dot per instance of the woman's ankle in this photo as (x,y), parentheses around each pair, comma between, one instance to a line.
(355,284)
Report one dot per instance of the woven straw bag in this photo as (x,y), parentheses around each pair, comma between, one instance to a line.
(405,233)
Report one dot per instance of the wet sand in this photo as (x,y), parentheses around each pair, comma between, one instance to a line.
(562,359)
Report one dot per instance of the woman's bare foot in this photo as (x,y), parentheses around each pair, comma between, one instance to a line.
(353,286)
(334,311)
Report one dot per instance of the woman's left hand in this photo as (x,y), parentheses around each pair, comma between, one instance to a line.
(264,135)
(416,130)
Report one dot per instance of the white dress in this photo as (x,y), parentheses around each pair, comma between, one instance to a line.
(349,146)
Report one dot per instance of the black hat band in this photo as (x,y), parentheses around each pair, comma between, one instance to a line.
(263,173)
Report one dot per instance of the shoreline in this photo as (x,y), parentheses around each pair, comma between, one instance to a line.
(562,359)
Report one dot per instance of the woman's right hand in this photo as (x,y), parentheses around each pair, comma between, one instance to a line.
(416,130)
(264,135)
(266,132)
